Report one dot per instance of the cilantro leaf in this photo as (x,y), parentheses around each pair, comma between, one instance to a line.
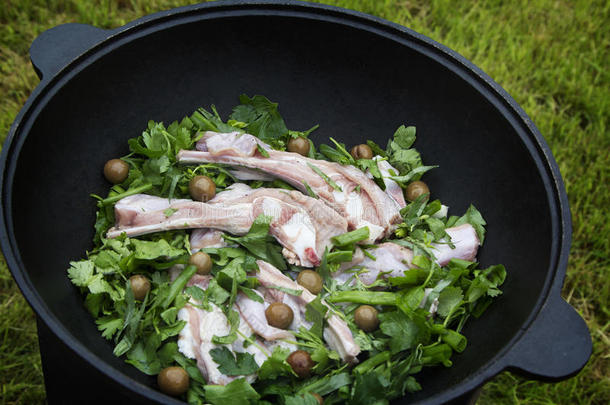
(486,282)
(369,389)
(305,399)
(109,325)
(474,218)
(237,392)
(261,116)
(151,250)
(81,272)
(403,331)
(216,293)
(404,136)
(276,365)
(448,299)
(250,293)
(228,364)
(315,312)
(260,243)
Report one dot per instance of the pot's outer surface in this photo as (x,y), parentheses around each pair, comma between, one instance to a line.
(357,76)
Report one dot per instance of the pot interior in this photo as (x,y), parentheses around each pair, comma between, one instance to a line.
(357,85)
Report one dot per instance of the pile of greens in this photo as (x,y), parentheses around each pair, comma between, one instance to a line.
(408,338)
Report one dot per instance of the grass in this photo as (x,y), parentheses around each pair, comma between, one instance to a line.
(551,56)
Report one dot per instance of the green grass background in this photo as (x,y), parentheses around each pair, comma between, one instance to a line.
(551,56)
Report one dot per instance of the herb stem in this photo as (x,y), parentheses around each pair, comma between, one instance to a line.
(372,362)
(178,285)
(349,238)
(340,256)
(327,179)
(364,297)
(137,190)
(252,342)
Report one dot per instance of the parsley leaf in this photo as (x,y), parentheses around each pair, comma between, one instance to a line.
(324,176)
(403,331)
(228,364)
(260,243)
(81,272)
(315,312)
(261,117)
(474,218)
(276,365)
(237,392)
(448,300)
(151,250)
(369,389)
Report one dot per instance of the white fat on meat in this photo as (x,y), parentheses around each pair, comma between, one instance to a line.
(378,208)
(212,238)
(464,238)
(258,348)
(298,231)
(195,340)
(393,260)
(202,238)
(356,209)
(230,143)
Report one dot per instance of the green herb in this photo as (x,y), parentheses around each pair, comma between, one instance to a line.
(315,312)
(369,255)
(260,243)
(474,218)
(352,237)
(290,291)
(310,192)
(261,117)
(324,176)
(364,297)
(262,150)
(403,331)
(169,212)
(276,365)
(178,285)
(250,293)
(230,364)
(340,256)
(237,392)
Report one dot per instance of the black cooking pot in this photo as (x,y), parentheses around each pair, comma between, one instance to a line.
(357,76)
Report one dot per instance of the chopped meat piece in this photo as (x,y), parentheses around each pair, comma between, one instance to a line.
(303,225)
(337,334)
(195,340)
(465,240)
(206,238)
(395,259)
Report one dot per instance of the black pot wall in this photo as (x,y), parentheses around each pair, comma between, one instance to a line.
(355,84)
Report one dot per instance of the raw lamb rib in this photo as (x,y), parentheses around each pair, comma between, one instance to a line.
(301,224)
(366,205)
(395,259)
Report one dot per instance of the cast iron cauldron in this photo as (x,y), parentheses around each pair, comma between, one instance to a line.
(358,77)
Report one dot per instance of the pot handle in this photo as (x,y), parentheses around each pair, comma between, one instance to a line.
(55,48)
(557,344)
